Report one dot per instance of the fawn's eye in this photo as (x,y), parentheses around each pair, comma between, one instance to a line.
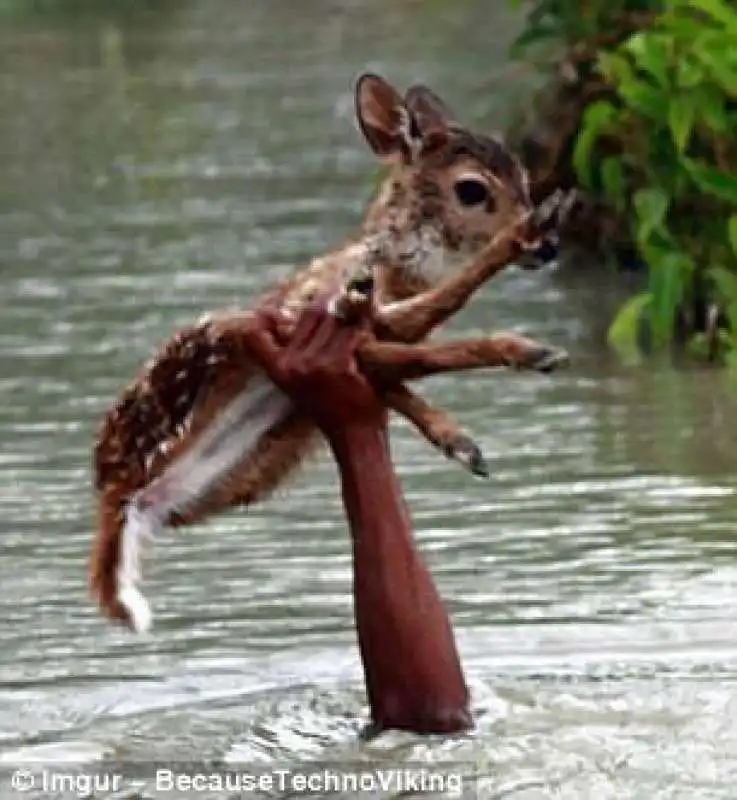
(471,193)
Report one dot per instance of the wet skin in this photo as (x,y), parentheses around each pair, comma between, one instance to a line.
(413,675)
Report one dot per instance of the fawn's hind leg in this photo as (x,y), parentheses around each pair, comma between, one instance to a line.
(438,428)
(397,362)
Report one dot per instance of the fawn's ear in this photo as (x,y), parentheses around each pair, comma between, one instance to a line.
(385,120)
(432,115)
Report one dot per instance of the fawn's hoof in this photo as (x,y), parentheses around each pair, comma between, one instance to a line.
(548,359)
(468,454)
(545,222)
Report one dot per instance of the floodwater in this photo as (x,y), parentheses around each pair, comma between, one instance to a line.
(171,158)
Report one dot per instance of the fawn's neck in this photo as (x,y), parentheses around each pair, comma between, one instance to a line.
(395,238)
(409,255)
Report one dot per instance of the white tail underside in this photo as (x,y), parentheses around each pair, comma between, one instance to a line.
(231,436)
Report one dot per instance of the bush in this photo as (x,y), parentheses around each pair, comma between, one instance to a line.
(661,148)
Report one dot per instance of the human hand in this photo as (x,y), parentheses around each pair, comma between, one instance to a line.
(317,366)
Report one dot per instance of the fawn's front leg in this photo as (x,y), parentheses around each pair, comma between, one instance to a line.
(413,319)
(391,363)
(398,362)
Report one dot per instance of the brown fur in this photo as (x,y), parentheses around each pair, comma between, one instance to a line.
(416,237)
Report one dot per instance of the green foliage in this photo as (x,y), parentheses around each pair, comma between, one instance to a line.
(552,23)
(662,147)
(623,333)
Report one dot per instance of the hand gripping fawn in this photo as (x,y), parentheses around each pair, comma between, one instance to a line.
(202,430)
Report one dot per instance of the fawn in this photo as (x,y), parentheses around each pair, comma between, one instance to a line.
(202,430)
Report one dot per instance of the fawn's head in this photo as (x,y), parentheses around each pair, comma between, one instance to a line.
(449,190)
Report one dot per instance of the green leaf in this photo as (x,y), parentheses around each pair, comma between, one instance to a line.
(732,232)
(624,331)
(725,282)
(676,24)
(681,119)
(651,206)
(613,181)
(651,54)
(582,155)
(716,53)
(710,106)
(669,276)
(615,68)
(719,11)
(689,73)
(711,180)
(646,99)
(596,119)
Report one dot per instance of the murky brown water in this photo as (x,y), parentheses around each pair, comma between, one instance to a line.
(161,162)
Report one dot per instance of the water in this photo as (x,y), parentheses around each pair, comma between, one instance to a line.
(162,161)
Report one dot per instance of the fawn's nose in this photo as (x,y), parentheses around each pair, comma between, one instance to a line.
(543,254)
